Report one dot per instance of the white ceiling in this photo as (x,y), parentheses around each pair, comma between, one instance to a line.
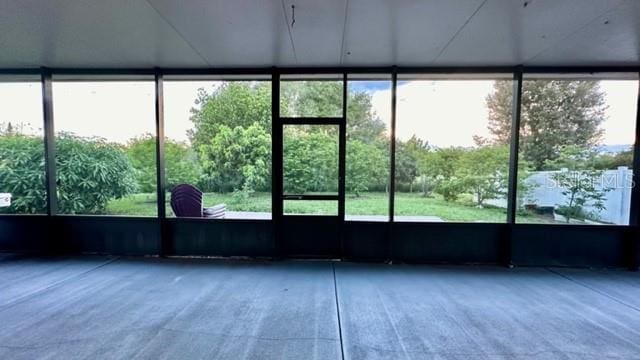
(259,33)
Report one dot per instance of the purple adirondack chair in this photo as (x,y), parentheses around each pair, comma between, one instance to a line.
(186,201)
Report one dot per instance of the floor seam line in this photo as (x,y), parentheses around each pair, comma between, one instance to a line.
(26,297)
(335,292)
(594,290)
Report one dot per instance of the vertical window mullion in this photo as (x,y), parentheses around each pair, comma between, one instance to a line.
(512,195)
(49,142)
(160,163)
(392,139)
(634,218)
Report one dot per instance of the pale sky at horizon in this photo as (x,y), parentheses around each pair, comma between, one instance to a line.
(115,110)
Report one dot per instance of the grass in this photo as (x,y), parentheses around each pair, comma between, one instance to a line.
(406,204)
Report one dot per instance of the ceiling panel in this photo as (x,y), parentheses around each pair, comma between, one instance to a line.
(611,39)
(317,31)
(402,32)
(68,33)
(369,35)
(232,33)
(258,33)
(507,32)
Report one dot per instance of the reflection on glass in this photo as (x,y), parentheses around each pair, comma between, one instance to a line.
(105,147)
(218,139)
(576,139)
(22,170)
(452,150)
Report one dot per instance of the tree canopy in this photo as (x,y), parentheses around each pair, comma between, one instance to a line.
(232,127)
(554,113)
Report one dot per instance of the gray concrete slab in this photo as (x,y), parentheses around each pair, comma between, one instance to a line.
(623,286)
(178,309)
(22,276)
(423,312)
(149,308)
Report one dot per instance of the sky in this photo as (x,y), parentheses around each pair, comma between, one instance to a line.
(445,113)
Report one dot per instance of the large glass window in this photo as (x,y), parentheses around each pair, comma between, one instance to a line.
(576,140)
(22,168)
(452,149)
(105,147)
(218,139)
(367,151)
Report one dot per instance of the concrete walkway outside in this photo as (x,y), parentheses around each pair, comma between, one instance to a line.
(267,216)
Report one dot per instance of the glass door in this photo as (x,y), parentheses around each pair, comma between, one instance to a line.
(311,145)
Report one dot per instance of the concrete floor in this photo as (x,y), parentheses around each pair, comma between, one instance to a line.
(136,308)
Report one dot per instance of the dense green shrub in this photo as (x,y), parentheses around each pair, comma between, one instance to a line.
(90,172)
(22,173)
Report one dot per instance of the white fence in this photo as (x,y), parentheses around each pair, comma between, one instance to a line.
(545,192)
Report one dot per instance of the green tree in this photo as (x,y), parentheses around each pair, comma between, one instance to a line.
(553,113)
(231,136)
(222,116)
(324,99)
(441,167)
(232,104)
(237,158)
(310,161)
(414,150)
(580,183)
(612,161)
(142,154)
(406,164)
(363,123)
(484,171)
(181,164)
(366,165)
(311,98)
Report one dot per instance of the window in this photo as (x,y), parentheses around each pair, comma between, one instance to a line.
(218,139)
(367,150)
(452,149)
(311,96)
(310,163)
(22,168)
(575,149)
(105,147)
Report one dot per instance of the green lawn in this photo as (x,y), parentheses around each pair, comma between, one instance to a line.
(407,204)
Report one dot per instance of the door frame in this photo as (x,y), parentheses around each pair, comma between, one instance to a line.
(311,222)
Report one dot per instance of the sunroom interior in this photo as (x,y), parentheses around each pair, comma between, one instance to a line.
(345,179)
